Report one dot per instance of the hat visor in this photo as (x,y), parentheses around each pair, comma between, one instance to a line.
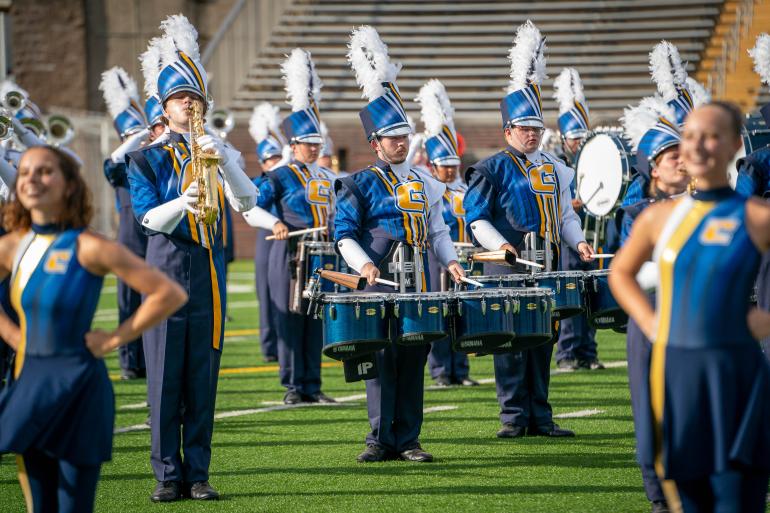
(533,122)
(575,134)
(660,149)
(446,161)
(394,131)
(309,139)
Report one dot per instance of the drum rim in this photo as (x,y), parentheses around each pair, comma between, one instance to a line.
(626,165)
(349,297)
(484,278)
(317,243)
(550,274)
(598,272)
(425,296)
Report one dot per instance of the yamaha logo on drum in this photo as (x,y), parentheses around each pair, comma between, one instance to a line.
(433,310)
(371,312)
(329,266)
(471,343)
(350,348)
(571,286)
(531,306)
(494,307)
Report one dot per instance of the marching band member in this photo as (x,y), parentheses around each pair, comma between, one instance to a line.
(446,366)
(576,348)
(183,354)
(754,174)
(25,117)
(58,412)
(264,127)
(300,192)
(122,99)
(380,209)
(708,379)
(651,129)
(519,190)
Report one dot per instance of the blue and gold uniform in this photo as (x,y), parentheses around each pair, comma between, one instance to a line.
(377,208)
(58,412)
(708,380)
(517,194)
(754,180)
(301,196)
(183,353)
(131,235)
(442,359)
(268,337)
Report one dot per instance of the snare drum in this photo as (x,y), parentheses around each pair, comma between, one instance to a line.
(321,255)
(421,318)
(568,288)
(603,311)
(503,281)
(353,324)
(755,135)
(603,170)
(483,320)
(532,313)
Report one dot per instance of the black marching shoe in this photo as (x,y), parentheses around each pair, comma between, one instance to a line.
(292,397)
(202,491)
(554,432)
(594,364)
(442,380)
(318,397)
(469,382)
(567,364)
(416,454)
(373,453)
(660,507)
(510,431)
(167,491)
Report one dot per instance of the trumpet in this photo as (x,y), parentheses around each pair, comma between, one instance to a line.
(6,125)
(14,101)
(60,130)
(222,121)
(34,125)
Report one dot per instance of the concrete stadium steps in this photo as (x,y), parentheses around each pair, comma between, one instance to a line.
(464,44)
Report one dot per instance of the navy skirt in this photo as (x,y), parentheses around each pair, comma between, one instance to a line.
(63,406)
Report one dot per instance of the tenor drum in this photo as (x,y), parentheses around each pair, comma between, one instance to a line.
(603,311)
(568,288)
(353,324)
(532,314)
(603,167)
(421,318)
(321,255)
(483,320)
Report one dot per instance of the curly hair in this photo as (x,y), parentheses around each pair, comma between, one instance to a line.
(77,210)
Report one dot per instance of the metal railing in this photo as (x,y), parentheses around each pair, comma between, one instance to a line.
(731,48)
(232,51)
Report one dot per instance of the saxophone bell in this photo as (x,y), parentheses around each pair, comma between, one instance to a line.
(205,169)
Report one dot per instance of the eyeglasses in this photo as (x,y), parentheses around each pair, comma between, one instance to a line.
(530,129)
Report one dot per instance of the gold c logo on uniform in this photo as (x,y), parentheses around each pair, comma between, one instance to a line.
(542,179)
(719,231)
(318,191)
(57,261)
(457,205)
(410,197)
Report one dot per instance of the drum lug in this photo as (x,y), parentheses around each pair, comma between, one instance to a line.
(395,309)
(558,286)
(582,285)
(483,306)
(358,310)
(516,305)
(419,308)
(382,310)
(333,312)
(507,304)
(445,309)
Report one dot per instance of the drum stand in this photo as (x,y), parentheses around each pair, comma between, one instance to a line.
(542,255)
(598,234)
(406,271)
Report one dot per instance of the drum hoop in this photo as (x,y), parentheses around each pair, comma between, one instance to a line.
(598,272)
(533,291)
(420,296)
(482,293)
(317,244)
(559,274)
(370,297)
(501,277)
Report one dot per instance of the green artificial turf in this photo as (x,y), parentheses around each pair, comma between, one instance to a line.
(303,459)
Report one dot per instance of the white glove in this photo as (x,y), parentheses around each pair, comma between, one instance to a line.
(164,218)
(26,136)
(211,144)
(130,144)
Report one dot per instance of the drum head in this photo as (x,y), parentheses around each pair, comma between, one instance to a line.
(602,173)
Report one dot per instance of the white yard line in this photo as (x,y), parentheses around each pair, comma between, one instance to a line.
(578,414)
(446,407)
(135,406)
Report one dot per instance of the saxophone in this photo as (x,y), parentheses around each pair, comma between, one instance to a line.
(204,167)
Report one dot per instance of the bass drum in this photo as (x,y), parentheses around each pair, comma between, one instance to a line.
(603,167)
(755,135)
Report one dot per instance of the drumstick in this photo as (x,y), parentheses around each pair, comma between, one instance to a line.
(603,255)
(505,257)
(300,232)
(463,244)
(387,282)
(601,186)
(527,262)
(350,281)
(472,282)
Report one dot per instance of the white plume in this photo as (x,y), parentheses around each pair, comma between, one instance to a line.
(9,85)
(150,61)
(639,119)
(568,89)
(265,119)
(699,94)
(118,90)
(182,32)
(527,57)
(667,70)
(368,56)
(761,55)
(301,80)
(435,107)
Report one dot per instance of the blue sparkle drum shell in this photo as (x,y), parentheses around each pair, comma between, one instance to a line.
(321,255)
(532,315)
(421,318)
(354,324)
(603,311)
(483,320)
(568,289)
